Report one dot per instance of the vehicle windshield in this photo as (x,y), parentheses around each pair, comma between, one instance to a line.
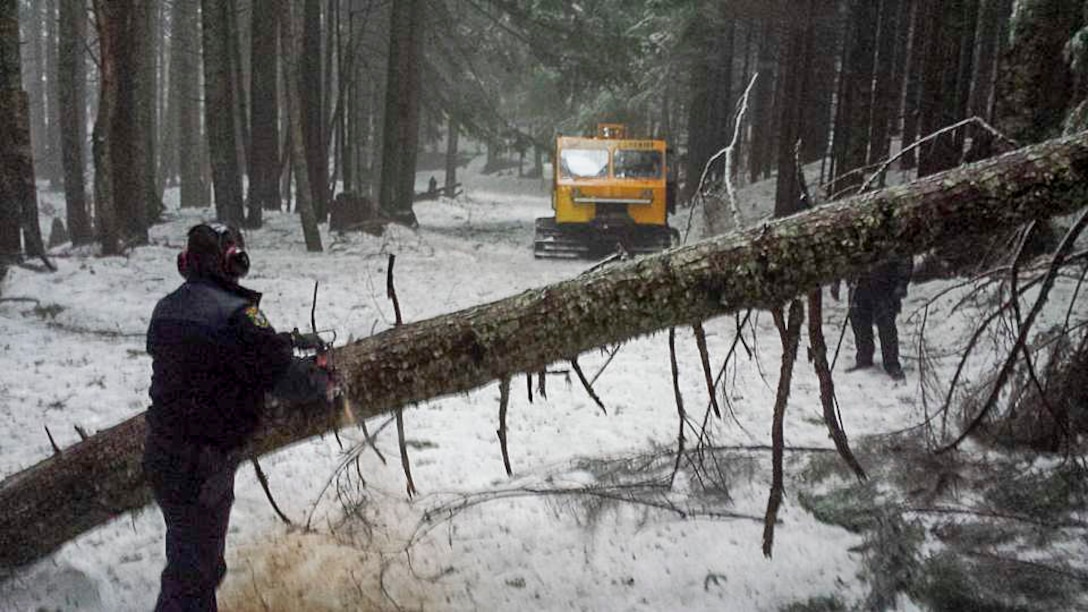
(636,164)
(583,163)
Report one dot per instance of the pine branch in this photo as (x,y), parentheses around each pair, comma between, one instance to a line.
(1048,282)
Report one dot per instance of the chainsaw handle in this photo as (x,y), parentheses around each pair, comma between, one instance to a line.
(307,342)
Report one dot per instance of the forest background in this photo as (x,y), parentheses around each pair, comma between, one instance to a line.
(258,107)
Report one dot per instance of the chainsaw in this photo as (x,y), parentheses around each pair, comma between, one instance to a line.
(315,345)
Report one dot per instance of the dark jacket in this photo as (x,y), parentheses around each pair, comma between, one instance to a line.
(214,356)
(888,278)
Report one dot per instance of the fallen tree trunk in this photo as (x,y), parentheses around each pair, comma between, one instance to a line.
(100,478)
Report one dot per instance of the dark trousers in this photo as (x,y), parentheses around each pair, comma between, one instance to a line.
(871,304)
(194,487)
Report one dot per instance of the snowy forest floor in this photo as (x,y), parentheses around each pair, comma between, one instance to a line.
(593,517)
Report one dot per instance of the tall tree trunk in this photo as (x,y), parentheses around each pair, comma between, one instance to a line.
(264,162)
(53,167)
(145,96)
(11,88)
(71,93)
(187,97)
(99,479)
(452,133)
(291,54)
(899,68)
(710,35)
(699,37)
(18,192)
(820,89)
(168,124)
(793,84)
(915,73)
(965,71)
(993,14)
(106,213)
(329,97)
(313,128)
(242,141)
(343,93)
(34,76)
(852,130)
(128,132)
(884,99)
(219,112)
(944,96)
(162,69)
(763,106)
(400,137)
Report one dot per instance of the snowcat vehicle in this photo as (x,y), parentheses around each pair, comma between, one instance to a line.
(609,193)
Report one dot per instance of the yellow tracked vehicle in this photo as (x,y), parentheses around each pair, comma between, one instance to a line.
(610,193)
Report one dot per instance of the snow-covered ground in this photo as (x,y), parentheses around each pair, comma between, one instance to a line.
(473,538)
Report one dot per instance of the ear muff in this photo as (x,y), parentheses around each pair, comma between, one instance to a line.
(184,268)
(235,261)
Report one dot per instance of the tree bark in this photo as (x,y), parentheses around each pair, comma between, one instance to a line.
(235,63)
(402,103)
(793,83)
(993,17)
(18,192)
(303,193)
(453,130)
(52,167)
(852,127)
(313,101)
(820,90)
(139,86)
(106,213)
(11,86)
(101,478)
(72,93)
(264,158)
(946,84)
(34,75)
(884,99)
(912,85)
(220,112)
(186,96)
(762,143)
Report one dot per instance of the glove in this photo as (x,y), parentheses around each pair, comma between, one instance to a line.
(306,380)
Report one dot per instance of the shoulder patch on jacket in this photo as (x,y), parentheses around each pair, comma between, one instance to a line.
(257,317)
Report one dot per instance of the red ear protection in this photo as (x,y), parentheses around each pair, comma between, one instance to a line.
(235,261)
(183,264)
